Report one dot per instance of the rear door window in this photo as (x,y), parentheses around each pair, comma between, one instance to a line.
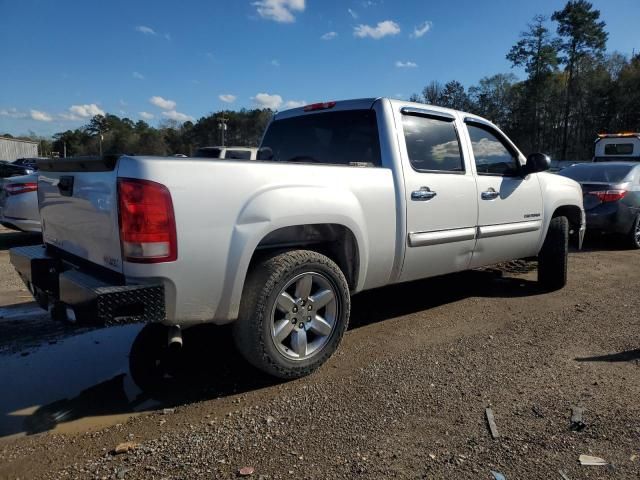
(432,144)
(333,138)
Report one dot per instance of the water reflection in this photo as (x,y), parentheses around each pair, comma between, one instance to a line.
(90,378)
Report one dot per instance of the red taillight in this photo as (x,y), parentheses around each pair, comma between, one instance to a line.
(609,195)
(319,106)
(147,223)
(18,188)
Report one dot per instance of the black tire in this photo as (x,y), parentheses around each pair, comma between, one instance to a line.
(634,234)
(266,279)
(553,257)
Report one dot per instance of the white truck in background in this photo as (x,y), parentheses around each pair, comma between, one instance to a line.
(344,197)
(617,147)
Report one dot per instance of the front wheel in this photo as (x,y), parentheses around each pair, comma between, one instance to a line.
(553,257)
(293,314)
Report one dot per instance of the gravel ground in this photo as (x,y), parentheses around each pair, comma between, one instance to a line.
(405,396)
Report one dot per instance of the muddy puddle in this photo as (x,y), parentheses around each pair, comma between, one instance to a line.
(96,378)
(81,376)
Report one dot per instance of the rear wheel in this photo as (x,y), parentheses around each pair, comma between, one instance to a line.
(553,257)
(634,234)
(294,311)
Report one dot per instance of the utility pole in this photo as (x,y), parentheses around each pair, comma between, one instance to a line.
(101,138)
(222,125)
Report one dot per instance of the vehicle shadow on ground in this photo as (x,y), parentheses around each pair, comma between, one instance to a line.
(10,239)
(209,366)
(626,356)
(397,300)
(603,242)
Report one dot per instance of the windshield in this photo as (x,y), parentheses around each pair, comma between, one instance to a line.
(597,173)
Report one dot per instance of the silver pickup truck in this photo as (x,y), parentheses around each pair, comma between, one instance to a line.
(344,197)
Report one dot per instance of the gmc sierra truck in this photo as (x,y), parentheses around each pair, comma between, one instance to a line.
(344,197)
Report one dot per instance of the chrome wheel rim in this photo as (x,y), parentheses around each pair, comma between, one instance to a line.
(637,233)
(304,316)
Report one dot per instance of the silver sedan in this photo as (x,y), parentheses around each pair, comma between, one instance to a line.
(19,203)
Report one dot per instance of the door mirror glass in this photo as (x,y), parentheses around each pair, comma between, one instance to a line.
(537,162)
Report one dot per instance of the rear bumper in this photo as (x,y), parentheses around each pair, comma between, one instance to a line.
(610,217)
(85,295)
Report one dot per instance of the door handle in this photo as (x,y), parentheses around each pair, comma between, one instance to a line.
(490,194)
(422,195)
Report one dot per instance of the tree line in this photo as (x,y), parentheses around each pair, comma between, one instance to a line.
(573,89)
(112,134)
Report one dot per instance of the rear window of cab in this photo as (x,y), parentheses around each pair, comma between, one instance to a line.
(347,138)
(618,149)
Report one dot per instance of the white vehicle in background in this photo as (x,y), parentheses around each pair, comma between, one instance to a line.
(344,197)
(19,203)
(229,153)
(617,147)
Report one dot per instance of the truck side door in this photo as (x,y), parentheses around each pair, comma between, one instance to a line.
(441,200)
(510,205)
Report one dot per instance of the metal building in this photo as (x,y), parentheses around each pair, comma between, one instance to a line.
(12,148)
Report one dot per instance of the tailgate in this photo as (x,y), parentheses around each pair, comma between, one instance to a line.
(79,208)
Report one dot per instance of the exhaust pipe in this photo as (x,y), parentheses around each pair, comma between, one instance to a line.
(175,337)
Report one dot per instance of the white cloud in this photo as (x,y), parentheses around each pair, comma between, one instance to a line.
(180,117)
(138,75)
(279,10)
(83,111)
(40,116)
(329,36)
(162,103)
(146,30)
(227,98)
(383,29)
(295,104)
(12,113)
(167,36)
(69,116)
(487,148)
(265,100)
(421,29)
(275,62)
(400,64)
(352,13)
(146,115)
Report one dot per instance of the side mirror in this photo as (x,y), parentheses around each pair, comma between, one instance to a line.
(536,162)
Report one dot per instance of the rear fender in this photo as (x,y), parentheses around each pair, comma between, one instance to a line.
(283,206)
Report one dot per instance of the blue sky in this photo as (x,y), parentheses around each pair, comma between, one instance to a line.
(64,61)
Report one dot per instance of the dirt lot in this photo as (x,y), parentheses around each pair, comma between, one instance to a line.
(405,397)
